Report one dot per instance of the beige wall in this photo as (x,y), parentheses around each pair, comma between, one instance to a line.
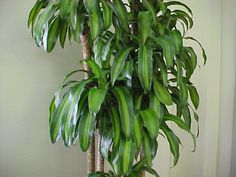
(29,76)
(28,79)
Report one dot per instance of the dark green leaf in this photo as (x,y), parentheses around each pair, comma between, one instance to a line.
(177,120)
(194,96)
(114,116)
(118,64)
(54,31)
(173,142)
(107,15)
(63,33)
(86,128)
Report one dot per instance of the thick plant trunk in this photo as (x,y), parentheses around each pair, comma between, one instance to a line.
(100,159)
(86,54)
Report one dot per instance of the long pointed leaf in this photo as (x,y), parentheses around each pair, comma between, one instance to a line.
(126,109)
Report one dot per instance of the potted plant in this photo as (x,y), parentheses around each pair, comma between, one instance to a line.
(136,67)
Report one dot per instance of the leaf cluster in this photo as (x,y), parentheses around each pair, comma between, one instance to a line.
(138,70)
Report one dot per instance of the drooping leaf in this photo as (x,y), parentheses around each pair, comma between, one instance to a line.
(162,92)
(63,33)
(177,120)
(168,49)
(203,50)
(121,13)
(127,154)
(53,34)
(95,99)
(144,25)
(194,96)
(137,131)
(114,116)
(35,11)
(65,7)
(118,64)
(187,116)
(151,122)
(69,115)
(107,15)
(183,93)
(177,40)
(173,142)
(106,132)
(174,3)
(126,109)
(86,128)
(145,67)
(152,10)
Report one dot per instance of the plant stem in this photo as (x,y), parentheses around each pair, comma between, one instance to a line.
(86,55)
(100,159)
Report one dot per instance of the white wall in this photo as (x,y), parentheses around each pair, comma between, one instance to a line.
(29,76)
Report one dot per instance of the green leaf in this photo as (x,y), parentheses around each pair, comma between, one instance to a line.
(171,3)
(54,31)
(114,116)
(128,69)
(126,109)
(65,7)
(203,50)
(149,147)
(95,22)
(63,33)
(173,142)
(95,99)
(145,67)
(127,154)
(163,70)
(118,64)
(193,57)
(106,49)
(121,13)
(69,115)
(152,10)
(156,106)
(106,136)
(98,72)
(86,128)
(184,15)
(151,171)
(98,174)
(144,25)
(97,50)
(187,116)
(162,92)
(151,122)
(177,40)
(168,49)
(40,27)
(194,96)
(177,120)
(107,15)
(184,93)
(55,125)
(35,11)
(137,131)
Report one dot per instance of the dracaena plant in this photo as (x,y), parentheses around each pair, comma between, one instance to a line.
(138,77)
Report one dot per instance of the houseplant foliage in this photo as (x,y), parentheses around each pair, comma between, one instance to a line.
(139,70)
